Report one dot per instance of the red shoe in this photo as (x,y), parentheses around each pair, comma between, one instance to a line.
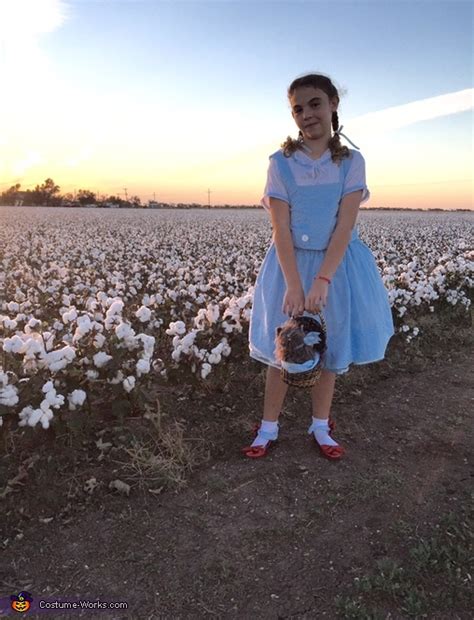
(332,453)
(256,452)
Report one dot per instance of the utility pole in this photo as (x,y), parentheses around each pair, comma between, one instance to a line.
(154,196)
(126,196)
(208,197)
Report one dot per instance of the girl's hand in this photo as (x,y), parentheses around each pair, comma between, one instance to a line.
(293,301)
(317,296)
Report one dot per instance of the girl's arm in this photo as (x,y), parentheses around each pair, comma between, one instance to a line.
(342,233)
(280,214)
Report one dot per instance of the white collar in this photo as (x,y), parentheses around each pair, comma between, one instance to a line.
(303,158)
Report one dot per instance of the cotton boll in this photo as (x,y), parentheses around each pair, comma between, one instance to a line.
(99,341)
(205,370)
(117,379)
(92,374)
(47,387)
(188,340)
(34,417)
(226,349)
(129,383)
(178,327)
(143,314)
(212,313)
(84,325)
(9,324)
(176,354)
(148,344)
(48,339)
(76,398)
(45,418)
(124,330)
(143,367)
(9,396)
(33,346)
(32,324)
(13,345)
(57,366)
(101,358)
(214,358)
(13,306)
(69,316)
(246,314)
(218,348)
(228,328)
(24,415)
(115,309)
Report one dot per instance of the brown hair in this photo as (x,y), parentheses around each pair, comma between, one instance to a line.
(338,151)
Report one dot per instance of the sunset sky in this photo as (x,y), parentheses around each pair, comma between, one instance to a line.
(174,97)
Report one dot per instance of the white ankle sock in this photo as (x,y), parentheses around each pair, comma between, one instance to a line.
(267,430)
(320,428)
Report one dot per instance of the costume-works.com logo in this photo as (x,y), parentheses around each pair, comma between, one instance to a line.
(21,602)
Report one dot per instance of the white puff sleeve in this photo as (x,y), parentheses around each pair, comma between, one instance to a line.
(355,178)
(275,188)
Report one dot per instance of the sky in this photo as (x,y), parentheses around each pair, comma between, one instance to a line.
(168,100)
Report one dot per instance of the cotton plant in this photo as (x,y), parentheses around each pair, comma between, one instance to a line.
(44,413)
(117,305)
(37,357)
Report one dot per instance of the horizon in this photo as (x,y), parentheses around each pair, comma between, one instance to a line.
(162,103)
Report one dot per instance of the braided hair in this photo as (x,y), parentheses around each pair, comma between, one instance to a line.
(290,145)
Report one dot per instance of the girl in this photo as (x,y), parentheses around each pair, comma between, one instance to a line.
(316,261)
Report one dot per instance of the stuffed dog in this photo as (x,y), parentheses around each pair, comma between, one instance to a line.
(294,348)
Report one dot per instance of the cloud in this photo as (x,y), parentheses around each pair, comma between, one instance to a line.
(23,64)
(19,168)
(31,17)
(411,113)
(83,155)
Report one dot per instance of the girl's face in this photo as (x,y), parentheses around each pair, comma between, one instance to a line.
(312,111)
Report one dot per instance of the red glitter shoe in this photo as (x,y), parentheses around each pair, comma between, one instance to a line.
(332,453)
(255,452)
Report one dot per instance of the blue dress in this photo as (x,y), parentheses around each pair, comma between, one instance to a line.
(357,313)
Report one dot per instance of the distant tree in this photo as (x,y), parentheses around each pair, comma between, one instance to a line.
(116,200)
(135,201)
(8,197)
(86,197)
(46,194)
(68,200)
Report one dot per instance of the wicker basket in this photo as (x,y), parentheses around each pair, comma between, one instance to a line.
(308,378)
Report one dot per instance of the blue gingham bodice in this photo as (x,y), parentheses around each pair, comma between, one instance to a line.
(313,206)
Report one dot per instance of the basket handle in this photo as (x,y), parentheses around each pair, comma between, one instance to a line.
(321,318)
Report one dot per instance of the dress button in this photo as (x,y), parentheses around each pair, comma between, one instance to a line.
(305,237)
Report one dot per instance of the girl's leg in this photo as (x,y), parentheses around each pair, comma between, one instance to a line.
(275,392)
(322,393)
(321,396)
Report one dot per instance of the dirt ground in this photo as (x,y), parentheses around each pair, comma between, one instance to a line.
(279,537)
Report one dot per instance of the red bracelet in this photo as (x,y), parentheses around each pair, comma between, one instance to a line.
(324,278)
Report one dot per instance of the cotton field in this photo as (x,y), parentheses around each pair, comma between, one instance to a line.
(95,300)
